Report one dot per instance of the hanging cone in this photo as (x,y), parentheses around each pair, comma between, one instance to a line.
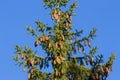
(56,17)
(62,58)
(107,72)
(63,38)
(91,60)
(55,14)
(31,71)
(49,45)
(89,43)
(43,38)
(62,71)
(56,45)
(67,24)
(70,24)
(58,60)
(56,72)
(54,62)
(46,38)
(53,17)
(23,56)
(32,63)
(67,16)
(29,75)
(96,76)
(100,68)
(60,44)
(28,61)
(36,43)
(55,11)
(40,39)
(66,28)
(59,13)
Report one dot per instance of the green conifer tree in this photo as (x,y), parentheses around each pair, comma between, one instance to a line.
(62,45)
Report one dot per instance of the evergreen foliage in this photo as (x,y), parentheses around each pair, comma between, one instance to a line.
(60,43)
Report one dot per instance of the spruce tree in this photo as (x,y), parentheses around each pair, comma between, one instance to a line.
(71,55)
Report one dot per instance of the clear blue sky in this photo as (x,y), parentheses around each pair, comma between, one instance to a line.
(15,15)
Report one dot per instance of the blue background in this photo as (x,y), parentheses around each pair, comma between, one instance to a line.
(15,15)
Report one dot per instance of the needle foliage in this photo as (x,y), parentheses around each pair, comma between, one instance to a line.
(71,55)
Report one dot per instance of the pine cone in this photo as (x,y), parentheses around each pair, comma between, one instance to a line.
(89,43)
(36,43)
